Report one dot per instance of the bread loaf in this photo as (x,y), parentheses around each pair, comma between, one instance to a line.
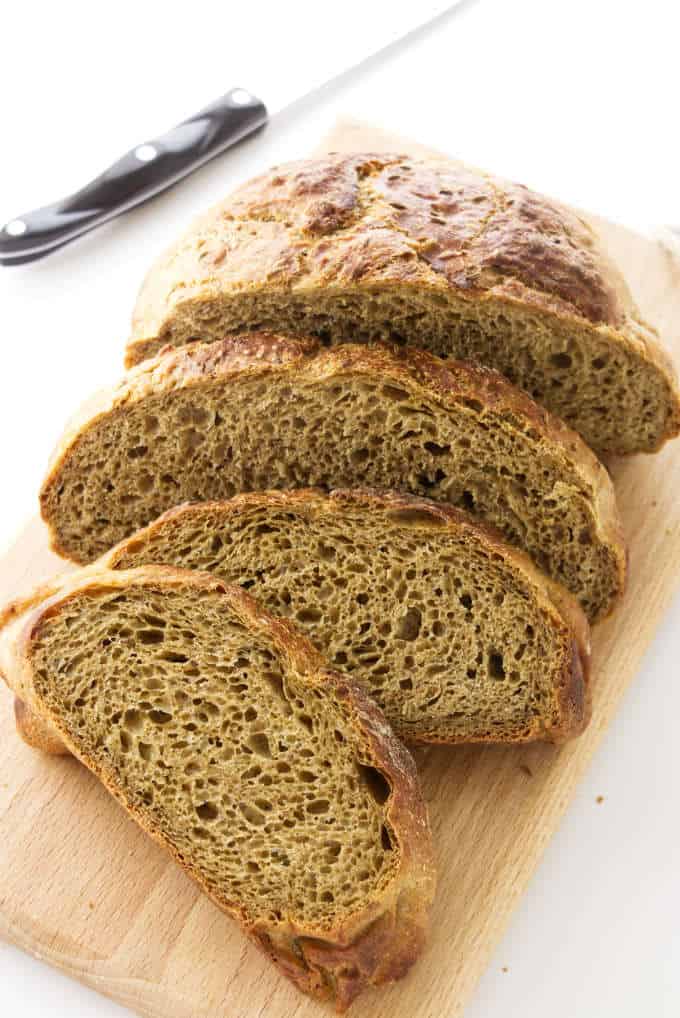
(275,782)
(379,246)
(260,412)
(456,635)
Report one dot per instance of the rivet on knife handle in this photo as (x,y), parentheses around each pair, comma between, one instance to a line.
(140,174)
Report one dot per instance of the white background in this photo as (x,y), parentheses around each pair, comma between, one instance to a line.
(578,99)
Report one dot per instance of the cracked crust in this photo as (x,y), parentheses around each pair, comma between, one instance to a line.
(444,384)
(377,943)
(359,226)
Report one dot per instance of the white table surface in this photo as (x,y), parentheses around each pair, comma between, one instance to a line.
(578,99)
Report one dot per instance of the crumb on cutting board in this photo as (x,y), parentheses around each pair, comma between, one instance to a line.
(505,969)
(526,769)
(599,800)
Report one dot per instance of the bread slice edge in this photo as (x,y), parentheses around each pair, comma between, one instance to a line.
(445,383)
(376,945)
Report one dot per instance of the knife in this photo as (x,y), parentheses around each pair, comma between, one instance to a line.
(158,163)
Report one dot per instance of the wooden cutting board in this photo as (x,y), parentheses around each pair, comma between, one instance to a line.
(83,889)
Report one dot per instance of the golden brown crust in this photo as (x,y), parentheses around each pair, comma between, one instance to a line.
(363,221)
(563,610)
(377,943)
(32,726)
(177,369)
(36,733)
(463,228)
(447,383)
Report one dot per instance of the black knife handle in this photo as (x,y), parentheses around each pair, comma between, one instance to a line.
(141,173)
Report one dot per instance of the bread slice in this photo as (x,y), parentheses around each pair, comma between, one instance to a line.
(431,253)
(274,781)
(456,635)
(261,412)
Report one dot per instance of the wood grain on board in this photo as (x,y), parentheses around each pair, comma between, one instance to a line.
(83,889)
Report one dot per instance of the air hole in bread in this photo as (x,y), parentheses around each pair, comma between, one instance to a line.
(437,450)
(408,626)
(148,636)
(309,614)
(496,668)
(174,656)
(160,717)
(393,393)
(207,811)
(415,517)
(132,720)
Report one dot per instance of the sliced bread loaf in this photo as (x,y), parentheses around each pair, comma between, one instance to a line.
(260,412)
(456,635)
(275,782)
(379,246)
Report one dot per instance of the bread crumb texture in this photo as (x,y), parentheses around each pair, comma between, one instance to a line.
(455,635)
(261,411)
(276,783)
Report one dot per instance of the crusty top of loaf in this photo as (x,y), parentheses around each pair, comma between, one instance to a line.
(470,227)
(371,218)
